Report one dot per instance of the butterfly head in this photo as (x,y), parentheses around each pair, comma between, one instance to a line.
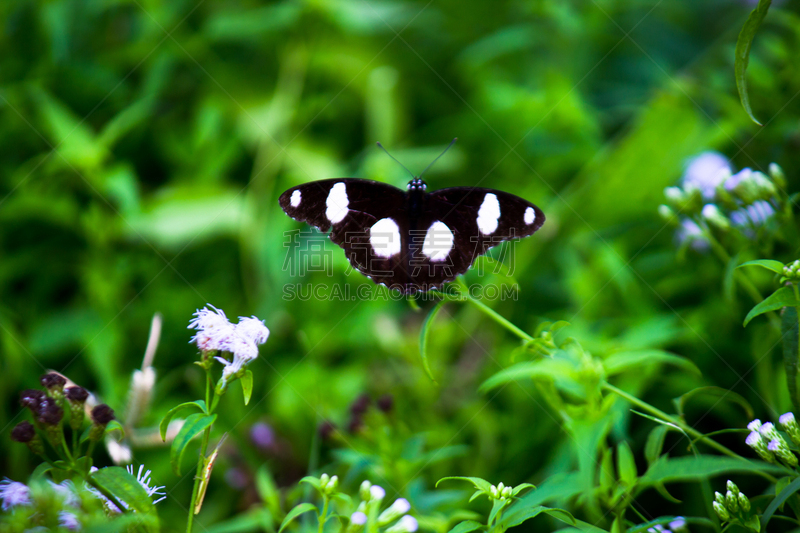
(417,184)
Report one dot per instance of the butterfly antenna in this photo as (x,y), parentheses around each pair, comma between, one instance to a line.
(395,159)
(440,155)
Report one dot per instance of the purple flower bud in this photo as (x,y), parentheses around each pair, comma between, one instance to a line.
(360,406)
(385,403)
(53,380)
(262,436)
(76,394)
(49,413)
(102,414)
(23,432)
(30,398)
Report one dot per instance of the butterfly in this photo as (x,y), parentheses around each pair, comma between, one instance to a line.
(411,240)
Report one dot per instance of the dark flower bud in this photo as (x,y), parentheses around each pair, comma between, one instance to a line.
(386,402)
(49,412)
(53,380)
(360,406)
(23,432)
(326,429)
(102,415)
(76,394)
(355,424)
(31,398)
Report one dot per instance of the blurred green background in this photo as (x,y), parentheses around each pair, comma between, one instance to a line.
(145,143)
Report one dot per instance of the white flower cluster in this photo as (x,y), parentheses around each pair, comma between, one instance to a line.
(769,444)
(711,194)
(371,498)
(215,333)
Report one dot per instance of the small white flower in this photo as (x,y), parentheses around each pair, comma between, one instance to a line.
(14,493)
(144,481)
(678,523)
(786,419)
(376,492)
(213,329)
(768,431)
(358,518)
(407,524)
(395,511)
(252,328)
(754,425)
(69,520)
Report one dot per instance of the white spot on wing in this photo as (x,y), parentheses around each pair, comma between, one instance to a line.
(488,214)
(296,197)
(530,216)
(438,242)
(337,203)
(384,236)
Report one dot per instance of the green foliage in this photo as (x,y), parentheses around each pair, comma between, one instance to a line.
(144,148)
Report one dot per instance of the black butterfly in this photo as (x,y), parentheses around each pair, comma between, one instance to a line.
(411,240)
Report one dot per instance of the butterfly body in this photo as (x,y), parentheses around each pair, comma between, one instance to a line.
(411,240)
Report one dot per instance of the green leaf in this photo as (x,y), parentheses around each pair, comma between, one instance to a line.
(198,404)
(311,480)
(480,484)
(114,425)
(193,426)
(783,297)
(520,488)
(622,361)
(268,490)
(545,368)
(295,512)
(126,488)
(655,443)
(769,264)
(743,45)
(697,468)
(247,385)
(789,339)
(423,337)
(626,465)
(466,526)
(790,489)
(532,512)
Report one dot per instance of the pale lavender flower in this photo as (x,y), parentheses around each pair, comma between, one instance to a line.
(756,214)
(774,445)
(705,172)
(690,232)
(743,175)
(69,520)
(786,419)
(407,524)
(768,430)
(753,439)
(678,523)
(262,435)
(14,493)
(144,480)
(376,492)
(253,329)
(66,491)
(754,425)
(358,518)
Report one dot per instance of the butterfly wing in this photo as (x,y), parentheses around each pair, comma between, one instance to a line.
(458,224)
(368,219)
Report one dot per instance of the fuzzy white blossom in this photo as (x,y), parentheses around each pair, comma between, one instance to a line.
(66,491)
(14,493)
(358,518)
(214,329)
(69,521)
(253,329)
(376,492)
(754,425)
(705,172)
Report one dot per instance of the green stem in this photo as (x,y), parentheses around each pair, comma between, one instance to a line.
(688,429)
(494,315)
(322,515)
(200,460)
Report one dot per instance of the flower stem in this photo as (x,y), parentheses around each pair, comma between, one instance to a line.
(200,462)
(672,420)
(494,315)
(322,515)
